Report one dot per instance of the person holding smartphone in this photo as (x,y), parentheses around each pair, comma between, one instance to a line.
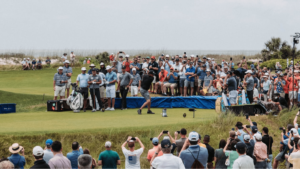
(132,156)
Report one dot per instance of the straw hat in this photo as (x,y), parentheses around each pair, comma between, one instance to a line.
(15,148)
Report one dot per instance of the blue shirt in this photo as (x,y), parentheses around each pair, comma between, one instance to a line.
(33,62)
(167,67)
(252,66)
(67,70)
(73,157)
(279,86)
(241,137)
(201,73)
(190,70)
(83,80)
(17,159)
(138,65)
(172,80)
(188,159)
(111,77)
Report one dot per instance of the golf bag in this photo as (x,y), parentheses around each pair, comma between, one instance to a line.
(75,100)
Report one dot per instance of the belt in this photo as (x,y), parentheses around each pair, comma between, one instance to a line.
(134,85)
(60,86)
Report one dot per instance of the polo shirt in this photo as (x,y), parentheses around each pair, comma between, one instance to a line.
(67,70)
(152,151)
(18,160)
(103,77)
(59,77)
(207,80)
(168,161)
(40,164)
(33,62)
(125,78)
(83,80)
(162,75)
(138,65)
(232,85)
(167,67)
(190,70)
(201,73)
(242,162)
(59,161)
(48,154)
(48,60)
(187,156)
(109,159)
(146,82)
(39,62)
(171,79)
(136,80)
(250,83)
(23,62)
(97,78)
(73,157)
(110,77)
(119,66)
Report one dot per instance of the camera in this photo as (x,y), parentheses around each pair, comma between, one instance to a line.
(133,138)
(184,52)
(120,52)
(244,57)
(230,59)
(151,139)
(248,126)
(280,128)
(232,129)
(178,132)
(184,62)
(165,132)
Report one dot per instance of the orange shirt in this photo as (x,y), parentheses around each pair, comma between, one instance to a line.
(88,62)
(127,65)
(286,87)
(152,151)
(162,76)
(291,83)
(111,57)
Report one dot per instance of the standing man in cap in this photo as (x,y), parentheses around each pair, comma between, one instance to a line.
(72,58)
(126,63)
(136,65)
(48,154)
(59,81)
(111,58)
(102,68)
(231,85)
(144,87)
(243,161)
(182,77)
(166,64)
(151,152)
(124,83)
(293,87)
(153,65)
(194,152)
(249,82)
(83,79)
(190,80)
(15,158)
(280,83)
(119,64)
(132,156)
(135,85)
(109,159)
(260,152)
(111,79)
(91,66)
(64,57)
(94,81)
(68,71)
(38,154)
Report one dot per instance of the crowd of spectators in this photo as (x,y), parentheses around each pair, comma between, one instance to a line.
(247,146)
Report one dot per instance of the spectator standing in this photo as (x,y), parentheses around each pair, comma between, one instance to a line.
(182,77)
(119,64)
(211,152)
(207,85)
(109,159)
(72,58)
(152,151)
(17,159)
(64,57)
(73,156)
(268,140)
(260,152)
(153,65)
(294,158)
(48,61)
(194,152)
(87,151)
(250,85)
(172,82)
(231,85)
(220,156)
(94,81)
(59,83)
(68,71)
(132,156)
(167,160)
(48,154)
(6,164)
(85,161)
(144,87)
(38,154)
(181,141)
(190,79)
(111,79)
(102,68)
(240,131)
(59,161)
(135,85)
(101,86)
(126,63)
(243,161)
(136,65)
(231,154)
(280,84)
(167,64)
(250,145)
(266,85)
(201,73)
(124,83)
(293,87)
(111,58)
(82,79)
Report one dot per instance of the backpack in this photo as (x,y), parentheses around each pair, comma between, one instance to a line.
(196,163)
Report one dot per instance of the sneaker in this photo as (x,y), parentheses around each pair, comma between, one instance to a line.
(125,109)
(84,110)
(150,112)
(139,111)
(93,110)
(112,109)
(103,110)
(164,94)
(108,108)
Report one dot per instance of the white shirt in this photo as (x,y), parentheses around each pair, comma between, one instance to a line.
(72,56)
(132,159)
(103,77)
(145,65)
(182,76)
(295,159)
(168,161)
(177,67)
(47,155)
(24,62)
(242,162)
(64,57)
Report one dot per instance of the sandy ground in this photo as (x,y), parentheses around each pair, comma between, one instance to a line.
(11,61)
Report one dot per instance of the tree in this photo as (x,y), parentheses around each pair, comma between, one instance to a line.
(276,49)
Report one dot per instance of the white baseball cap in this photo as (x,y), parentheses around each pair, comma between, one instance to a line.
(83,68)
(38,151)
(60,68)
(258,136)
(192,56)
(92,65)
(249,71)
(162,67)
(133,69)
(193,136)
(212,58)
(247,137)
(180,56)
(101,63)
(127,56)
(108,67)
(67,61)
(112,53)
(166,138)
(167,56)
(108,144)
(222,74)
(208,58)
(295,132)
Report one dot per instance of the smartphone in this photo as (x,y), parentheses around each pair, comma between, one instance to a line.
(247,116)
(133,138)
(151,139)
(248,126)
(280,128)
(165,132)
(184,52)
(244,57)
(139,56)
(260,61)
(178,132)
(197,56)
(232,129)
(230,59)
(120,52)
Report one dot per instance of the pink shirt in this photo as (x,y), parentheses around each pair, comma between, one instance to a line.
(260,151)
(60,162)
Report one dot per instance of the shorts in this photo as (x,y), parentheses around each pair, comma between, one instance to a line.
(188,84)
(232,96)
(85,92)
(102,92)
(283,95)
(255,93)
(291,95)
(154,79)
(200,82)
(145,94)
(134,90)
(68,84)
(72,60)
(174,85)
(111,91)
(59,90)
(159,82)
(278,157)
(118,76)
(181,82)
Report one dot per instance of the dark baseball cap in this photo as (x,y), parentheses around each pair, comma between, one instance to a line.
(123,67)
(165,143)
(254,123)
(240,145)
(94,69)
(177,59)
(151,72)
(254,129)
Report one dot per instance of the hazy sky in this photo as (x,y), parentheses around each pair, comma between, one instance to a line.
(146,24)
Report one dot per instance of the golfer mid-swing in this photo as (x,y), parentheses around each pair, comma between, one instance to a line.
(94,81)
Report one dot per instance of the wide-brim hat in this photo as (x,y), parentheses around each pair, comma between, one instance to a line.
(15,148)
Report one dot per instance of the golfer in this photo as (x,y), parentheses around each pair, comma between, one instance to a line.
(83,79)
(111,79)
(144,87)
(59,83)
(94,82)
(68,71)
